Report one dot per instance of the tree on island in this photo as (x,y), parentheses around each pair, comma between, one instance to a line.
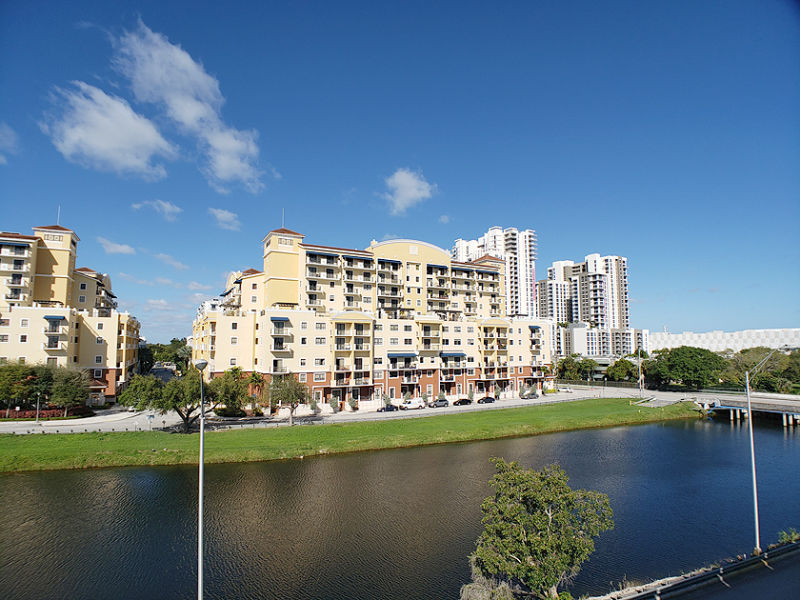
(537,532)
(287,391)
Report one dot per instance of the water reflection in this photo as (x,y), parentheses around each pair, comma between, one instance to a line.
(391,524)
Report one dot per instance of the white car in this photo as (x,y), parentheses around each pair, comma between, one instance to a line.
(412,403)
(565,390)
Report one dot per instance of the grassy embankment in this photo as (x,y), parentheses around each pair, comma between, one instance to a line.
(82,450)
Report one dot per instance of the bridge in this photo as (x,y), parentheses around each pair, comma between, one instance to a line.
(786,405)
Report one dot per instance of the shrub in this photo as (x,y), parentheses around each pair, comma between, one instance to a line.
(351,402)
(335,405)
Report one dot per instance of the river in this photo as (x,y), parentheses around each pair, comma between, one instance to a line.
(388,524)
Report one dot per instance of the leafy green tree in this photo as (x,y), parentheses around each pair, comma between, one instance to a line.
(537,530)
(587,367)
(693,367)
(621,370)
(568,368)
(229,389)
(13,383)
(70,388)
(146,359)
(256,382)
(142,392)
(287,391)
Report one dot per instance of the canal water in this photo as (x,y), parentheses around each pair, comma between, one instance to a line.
(389,524)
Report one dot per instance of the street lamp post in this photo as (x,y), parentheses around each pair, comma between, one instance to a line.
(200,365)
(755,370)
(38,396)
(641,387)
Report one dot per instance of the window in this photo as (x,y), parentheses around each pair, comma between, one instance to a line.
(99,325)
(4,322)
(234,325)
(233,362)
(470,330)
(21,360)
(394,341)
(81,299)
(99,340)
(23,322)
(470,342)
(319,362)
(457,329)
(302,362)
(4,360)
(253,299)
(3,338)
(408,341)
(52,362)
(303,324)
(407,327)
(393,327)
(283,241)
(303,341)
(319,341)
(378,327)
(301,377)
(254,286)
(319,376)
(98,373)
(23,339)
(378,360)
(83,286)
(379,341)
(234,341)
(98,360)
(320,326)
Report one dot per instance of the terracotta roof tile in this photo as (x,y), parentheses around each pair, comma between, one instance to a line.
(17,236)
(284,230)
(56,227)
(365,253)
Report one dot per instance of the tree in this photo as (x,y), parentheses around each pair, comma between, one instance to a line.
(587,367)
(287,391)
(568,368)
(146,359)
(230,389)
(621,370)
(70,388)
(537,530)
(694,367)
(256,383)
(181,394)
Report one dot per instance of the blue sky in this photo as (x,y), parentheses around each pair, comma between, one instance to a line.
(172,135)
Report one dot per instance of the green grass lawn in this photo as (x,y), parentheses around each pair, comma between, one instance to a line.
(82,450)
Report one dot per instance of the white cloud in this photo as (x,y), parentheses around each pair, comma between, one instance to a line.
(225,218)
(194,285)
(114,248)
(165,281)
(103,132)
(158,304)
(8,142)
(167,209)
(128,277)
(165,74)
(172,262)
(444,219)
(406,188)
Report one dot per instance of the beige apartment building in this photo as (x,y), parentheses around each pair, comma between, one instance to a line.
(399,317)
(54,313)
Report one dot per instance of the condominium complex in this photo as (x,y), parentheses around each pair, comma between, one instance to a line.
(517,249)
(580,338)
(397,318)
(56,314)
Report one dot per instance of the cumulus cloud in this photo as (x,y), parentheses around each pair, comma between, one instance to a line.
(225,218)
(444,219)
(172,262)
(114,248)
(164,74)
(133,279)
(158,304)
(167,209)
(8,142)
(194,285)
(406,188)
(103,132)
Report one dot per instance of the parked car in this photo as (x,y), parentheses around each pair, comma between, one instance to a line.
(462,402)
(528,394)
(131,409)
(486,400)
(438,402)
(565,390)
(388,408)
(412,403)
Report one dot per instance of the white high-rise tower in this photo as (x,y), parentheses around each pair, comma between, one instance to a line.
(518,250)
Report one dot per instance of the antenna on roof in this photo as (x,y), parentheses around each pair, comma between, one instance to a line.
(283,216)
(58,218)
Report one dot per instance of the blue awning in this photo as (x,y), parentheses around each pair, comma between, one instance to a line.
(402,354)
(54,317)
(447,354)
(14,244)
(465,270)
(388,260)
(366,258)
(534,327)
(487,272)
(315,253)
(226,292)
(437,266)
(279,318)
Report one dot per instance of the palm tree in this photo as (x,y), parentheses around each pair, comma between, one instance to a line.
(256,381)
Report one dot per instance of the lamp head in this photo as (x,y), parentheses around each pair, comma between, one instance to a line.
(200,364)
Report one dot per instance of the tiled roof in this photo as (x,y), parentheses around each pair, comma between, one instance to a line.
(56,227)
(284,230)
(487,257)
(312,246)
(250,272)
(17,236)
(86,269)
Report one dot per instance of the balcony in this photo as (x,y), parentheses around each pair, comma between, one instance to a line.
(388,279)
(431,333)
(431,347)
(343,347)
(15,268)
(393,293)
(342,367)
(361,347)
(17,282)
(410,379)
(57,347)
(320,275)
(279,369)
(282,331)
(60,330)
(18,297)
(280,348)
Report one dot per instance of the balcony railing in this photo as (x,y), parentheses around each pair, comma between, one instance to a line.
(361,347)
(57,347)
